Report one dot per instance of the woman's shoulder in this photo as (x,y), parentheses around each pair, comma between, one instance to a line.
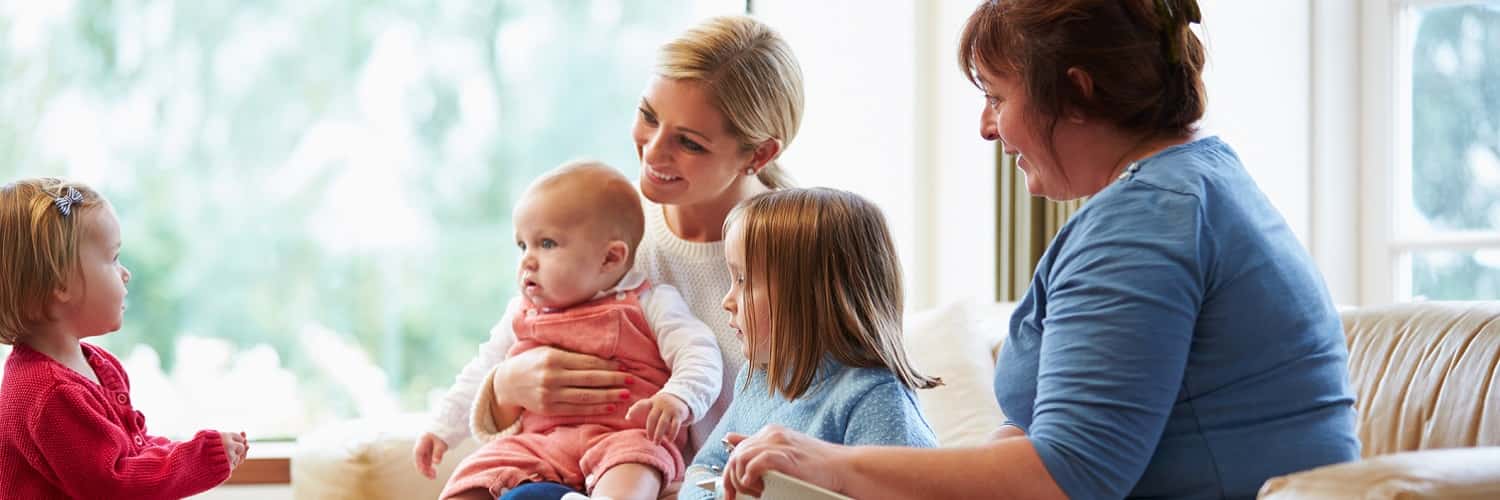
(1194,170)
(1168,190)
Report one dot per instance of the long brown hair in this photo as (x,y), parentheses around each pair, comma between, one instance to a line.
(829,263)
(38,247)
(1145,63)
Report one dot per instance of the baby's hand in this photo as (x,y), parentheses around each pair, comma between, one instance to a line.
(428,453)
(668,415)
(235,447)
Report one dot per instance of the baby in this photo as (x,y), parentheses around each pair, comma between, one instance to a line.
(578,228)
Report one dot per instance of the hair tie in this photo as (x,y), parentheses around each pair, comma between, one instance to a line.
(1173,18)
(65,202)
(1189,11)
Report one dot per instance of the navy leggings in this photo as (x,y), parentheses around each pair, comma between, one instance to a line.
(537,491)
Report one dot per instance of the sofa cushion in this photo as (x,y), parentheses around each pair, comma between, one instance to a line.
(368,458)
(956,343)
(1461,473)
(1424,375)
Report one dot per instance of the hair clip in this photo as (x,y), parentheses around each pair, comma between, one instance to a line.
(65,202)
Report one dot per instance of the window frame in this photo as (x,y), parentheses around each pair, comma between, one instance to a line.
(268,462)
(1385,252)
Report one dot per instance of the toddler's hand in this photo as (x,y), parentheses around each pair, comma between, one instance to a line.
(667,416)
(235,447)
(428,453)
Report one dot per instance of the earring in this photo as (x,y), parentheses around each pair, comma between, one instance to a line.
(749,171)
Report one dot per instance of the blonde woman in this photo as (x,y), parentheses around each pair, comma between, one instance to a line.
(725,102)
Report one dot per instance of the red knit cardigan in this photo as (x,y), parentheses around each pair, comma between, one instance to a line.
(63,436)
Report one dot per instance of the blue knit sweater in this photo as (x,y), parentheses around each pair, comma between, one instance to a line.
(844,405)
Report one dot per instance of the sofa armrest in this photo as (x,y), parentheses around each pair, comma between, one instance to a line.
(1459,473)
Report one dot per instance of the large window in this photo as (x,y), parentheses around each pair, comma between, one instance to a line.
(1447,224)
(315,195)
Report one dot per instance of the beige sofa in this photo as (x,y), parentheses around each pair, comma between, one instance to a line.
(1425,375)
(1427,383)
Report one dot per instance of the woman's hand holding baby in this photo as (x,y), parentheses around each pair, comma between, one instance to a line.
(559,383)
(665,416)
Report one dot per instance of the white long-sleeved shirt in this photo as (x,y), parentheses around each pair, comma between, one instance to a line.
(699,271)
(687,345)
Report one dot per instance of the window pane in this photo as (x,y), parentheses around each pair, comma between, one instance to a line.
(1455,275)
(1455,120)
(315,196)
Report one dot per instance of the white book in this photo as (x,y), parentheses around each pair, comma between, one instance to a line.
(783,487)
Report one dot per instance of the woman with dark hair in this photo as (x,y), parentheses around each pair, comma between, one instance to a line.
(1176,341)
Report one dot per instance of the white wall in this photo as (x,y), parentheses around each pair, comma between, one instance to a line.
(1336,127)
(1259,95)
(857,131)
(961,195)
(1283,90)
(890,116)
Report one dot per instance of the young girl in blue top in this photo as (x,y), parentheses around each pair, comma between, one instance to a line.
(816,300)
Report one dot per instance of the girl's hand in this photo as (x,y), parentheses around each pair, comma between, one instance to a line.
(554,382)
(775,448)
(665,416)
(428,453)
(235,447)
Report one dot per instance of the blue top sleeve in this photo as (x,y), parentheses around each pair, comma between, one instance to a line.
(1120,314)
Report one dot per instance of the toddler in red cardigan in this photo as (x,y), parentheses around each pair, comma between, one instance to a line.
(67,428)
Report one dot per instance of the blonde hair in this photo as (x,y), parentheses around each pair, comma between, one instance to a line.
(751,76)
(38,248)
(829,262)
(611,202)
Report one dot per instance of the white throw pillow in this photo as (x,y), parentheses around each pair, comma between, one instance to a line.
(955,342)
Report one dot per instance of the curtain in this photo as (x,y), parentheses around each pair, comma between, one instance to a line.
(1025,226)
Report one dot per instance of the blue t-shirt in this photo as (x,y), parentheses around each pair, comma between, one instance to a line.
(844,405)
(1177,341)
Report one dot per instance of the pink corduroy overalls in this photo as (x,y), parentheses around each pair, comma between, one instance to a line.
(576,450)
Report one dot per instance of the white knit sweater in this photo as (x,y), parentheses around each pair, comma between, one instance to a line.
(699,272)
